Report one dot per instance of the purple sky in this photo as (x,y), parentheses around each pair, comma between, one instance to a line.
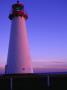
(47,29)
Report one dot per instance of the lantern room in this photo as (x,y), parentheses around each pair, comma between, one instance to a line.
(18,10)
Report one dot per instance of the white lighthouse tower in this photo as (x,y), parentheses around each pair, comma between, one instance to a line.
(18,60)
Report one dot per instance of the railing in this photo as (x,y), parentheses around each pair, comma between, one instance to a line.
(30,81)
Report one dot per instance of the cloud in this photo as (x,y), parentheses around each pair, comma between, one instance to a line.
(50,66)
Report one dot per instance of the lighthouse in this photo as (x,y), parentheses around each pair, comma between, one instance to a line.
(18,59)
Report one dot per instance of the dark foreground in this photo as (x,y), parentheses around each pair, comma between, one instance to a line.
(33,82)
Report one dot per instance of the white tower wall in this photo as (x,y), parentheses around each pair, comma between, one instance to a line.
(19,60)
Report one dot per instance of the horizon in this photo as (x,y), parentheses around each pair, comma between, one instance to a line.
(46,67)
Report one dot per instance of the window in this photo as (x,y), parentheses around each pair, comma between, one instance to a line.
(18,8)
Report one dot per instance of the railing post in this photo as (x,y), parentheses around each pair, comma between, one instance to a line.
(11,85)
(48,81)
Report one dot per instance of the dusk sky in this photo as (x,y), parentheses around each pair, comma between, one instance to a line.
(46,27)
